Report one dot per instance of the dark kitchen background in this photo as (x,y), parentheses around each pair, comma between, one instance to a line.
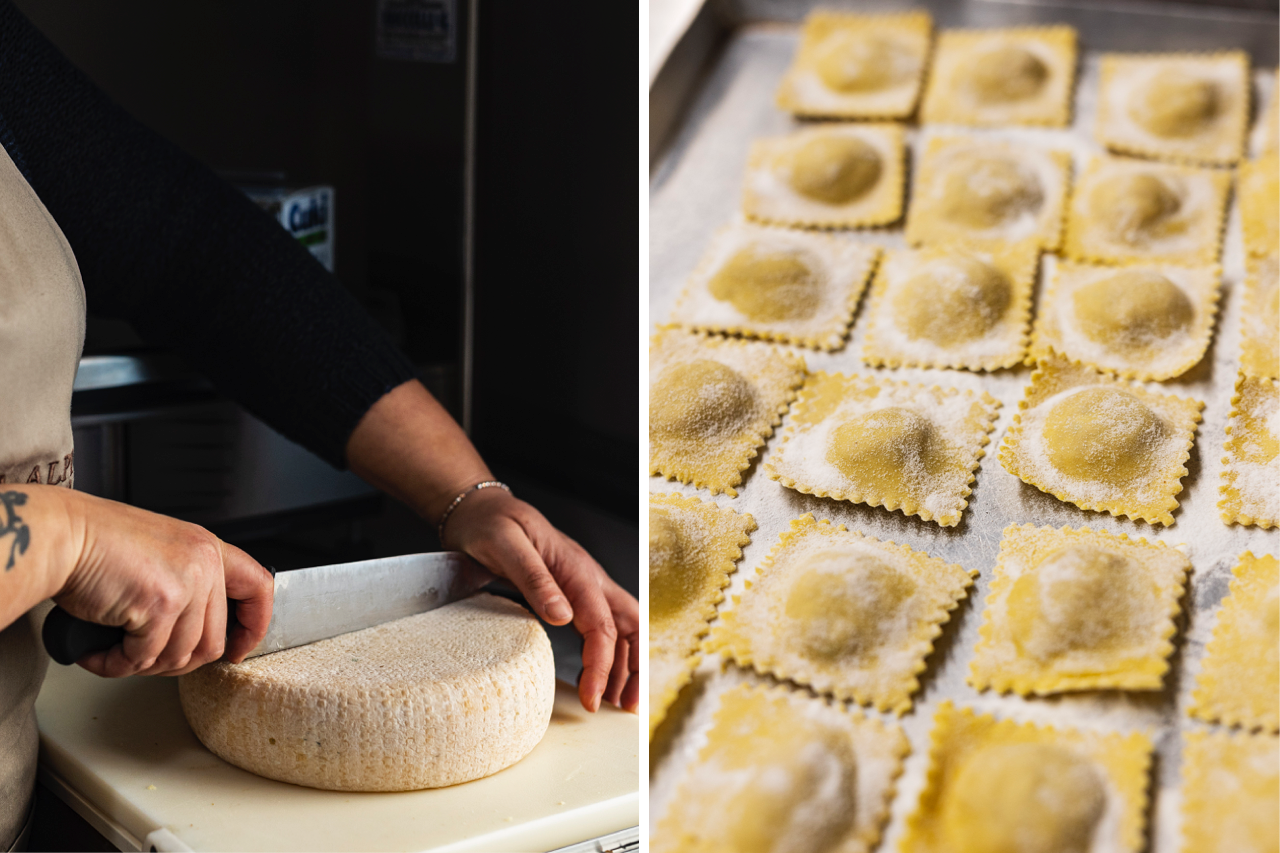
(389,102)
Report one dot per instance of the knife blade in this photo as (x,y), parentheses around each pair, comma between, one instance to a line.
(314,604)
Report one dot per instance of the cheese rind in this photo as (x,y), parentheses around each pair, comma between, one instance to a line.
(436,699)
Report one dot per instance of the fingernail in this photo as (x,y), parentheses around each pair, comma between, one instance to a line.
(558,609)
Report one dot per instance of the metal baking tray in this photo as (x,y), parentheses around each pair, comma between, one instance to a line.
(711,96)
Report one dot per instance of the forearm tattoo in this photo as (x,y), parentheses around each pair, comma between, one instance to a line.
(13,524)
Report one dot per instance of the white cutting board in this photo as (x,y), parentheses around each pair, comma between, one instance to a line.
(124,747)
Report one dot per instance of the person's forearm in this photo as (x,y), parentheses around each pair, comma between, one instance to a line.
(37,546)
(409,446)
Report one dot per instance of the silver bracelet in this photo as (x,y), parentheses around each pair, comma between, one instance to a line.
(487,484)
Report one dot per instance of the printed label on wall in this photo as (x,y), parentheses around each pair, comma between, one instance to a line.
(307,214)
(417,30)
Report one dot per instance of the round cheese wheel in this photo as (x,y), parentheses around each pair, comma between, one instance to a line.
(435,699)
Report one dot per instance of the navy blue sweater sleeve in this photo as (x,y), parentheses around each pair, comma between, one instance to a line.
(191,263)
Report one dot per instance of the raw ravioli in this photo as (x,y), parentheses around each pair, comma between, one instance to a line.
(842,613)
(1018,76)
(712,404)
(1078,610)
(951,306)
(885,443)
(783,772)
(858,66)
(1093,440)
(1183,107)
(693,548)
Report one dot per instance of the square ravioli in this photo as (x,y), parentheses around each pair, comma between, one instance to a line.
(996,786)
(1230,786)
(843,614)
(858,66)
(1130,211)
(712,404)
(779,284)
(1260,205)
(951,306)
(972,190)
(1251,468)
(1078,610)
(1098,442)
(693,548)
(885,443)
(1184,107)
(1260,319)
(1239,683)
(1022,75)
(1146,321)
(827,176)
(783,771)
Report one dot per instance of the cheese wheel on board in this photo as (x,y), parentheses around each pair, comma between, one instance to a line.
(443,697)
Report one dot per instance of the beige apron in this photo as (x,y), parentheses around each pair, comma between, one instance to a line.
(41,335)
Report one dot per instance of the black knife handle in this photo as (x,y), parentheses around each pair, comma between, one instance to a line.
(67,639)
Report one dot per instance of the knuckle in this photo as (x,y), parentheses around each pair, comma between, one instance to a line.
(540,581)
(204,550)
(167,597)
(210,649)
(604,626)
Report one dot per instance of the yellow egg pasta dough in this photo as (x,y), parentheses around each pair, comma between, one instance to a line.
(1130,211)
(858,66)
(843,614)
(668,675)
(1260,205)
(712,404)
(973,190)
(778,284)
(1017,76)
(1145,321)
(951,306)
(1230,787)
(1260,319)
(783,772)
(1239,683)
(693,548)
(827,176)
(1098,442)
(1006,787)
(1183,107)
(885,443)
(1078,610)
(1251,467)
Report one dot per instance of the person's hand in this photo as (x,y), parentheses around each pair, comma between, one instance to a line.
(562,583)
(166,582)
(408,446)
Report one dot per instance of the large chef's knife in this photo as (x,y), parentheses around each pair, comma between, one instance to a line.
(314,604)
